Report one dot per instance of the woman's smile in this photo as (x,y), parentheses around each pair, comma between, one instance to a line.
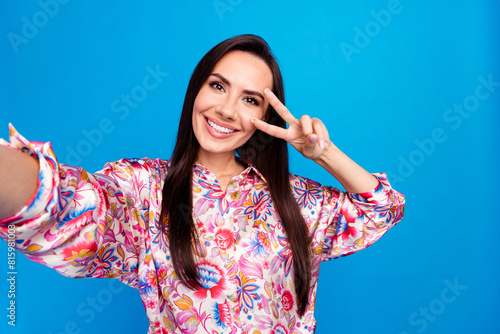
(218,130)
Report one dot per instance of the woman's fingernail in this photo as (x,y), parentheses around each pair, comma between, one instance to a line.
(266,90)
(313,138)
(253,120)
(321,144)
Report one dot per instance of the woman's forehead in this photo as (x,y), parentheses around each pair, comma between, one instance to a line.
(241,67)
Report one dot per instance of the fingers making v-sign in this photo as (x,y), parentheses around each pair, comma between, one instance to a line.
(308,135)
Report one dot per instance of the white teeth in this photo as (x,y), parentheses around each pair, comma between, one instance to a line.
(219,128)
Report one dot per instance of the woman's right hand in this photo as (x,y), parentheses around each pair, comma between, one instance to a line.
(18,180)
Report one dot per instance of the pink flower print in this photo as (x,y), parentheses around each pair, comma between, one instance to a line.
(259,245)
(224,238)
(285,254)
(349,216)
(159,330)
(222,315)
(211,279)
(246,292)
(287,300)
(347,221)
(103,262)
(259,206)
(148,283)
(161,274)
(76,221)
(279,329)
(151,279)
(151,303)
(308,194)
(79,252)
(215,192)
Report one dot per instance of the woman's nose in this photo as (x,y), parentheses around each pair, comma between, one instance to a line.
(228,109)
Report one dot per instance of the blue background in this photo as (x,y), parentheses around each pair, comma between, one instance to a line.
(382,93)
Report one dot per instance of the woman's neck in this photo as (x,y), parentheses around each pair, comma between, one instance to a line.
(223,166)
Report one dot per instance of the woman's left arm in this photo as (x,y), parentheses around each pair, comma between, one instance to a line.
(349,221)
(310,137)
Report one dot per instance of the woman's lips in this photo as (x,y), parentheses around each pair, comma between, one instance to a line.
(217,134)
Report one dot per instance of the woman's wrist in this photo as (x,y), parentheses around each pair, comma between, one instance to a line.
(330,157)
(352,176)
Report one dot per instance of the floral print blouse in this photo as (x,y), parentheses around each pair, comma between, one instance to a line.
(106,224)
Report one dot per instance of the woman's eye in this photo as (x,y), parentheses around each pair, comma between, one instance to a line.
(217,86)
(251,100)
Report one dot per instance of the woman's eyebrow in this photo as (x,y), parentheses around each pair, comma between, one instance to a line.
(246,91)
(222,78)
(252,92)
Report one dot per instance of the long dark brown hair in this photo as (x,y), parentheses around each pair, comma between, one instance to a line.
(267,153)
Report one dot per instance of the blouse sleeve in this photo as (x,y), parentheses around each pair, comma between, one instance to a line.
(342,223)
(82,224)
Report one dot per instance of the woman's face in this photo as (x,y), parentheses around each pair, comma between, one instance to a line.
(226,103)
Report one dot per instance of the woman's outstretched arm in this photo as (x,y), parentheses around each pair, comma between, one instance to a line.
(18,180)
(80,224)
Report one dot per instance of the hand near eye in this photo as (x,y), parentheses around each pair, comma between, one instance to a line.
(310,137)
(307,135)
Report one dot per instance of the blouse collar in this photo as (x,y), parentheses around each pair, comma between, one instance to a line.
(250,168)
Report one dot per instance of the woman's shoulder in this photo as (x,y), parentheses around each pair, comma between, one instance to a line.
(297,180)
(134,166)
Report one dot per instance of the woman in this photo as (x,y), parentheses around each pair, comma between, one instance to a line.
(220,238)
